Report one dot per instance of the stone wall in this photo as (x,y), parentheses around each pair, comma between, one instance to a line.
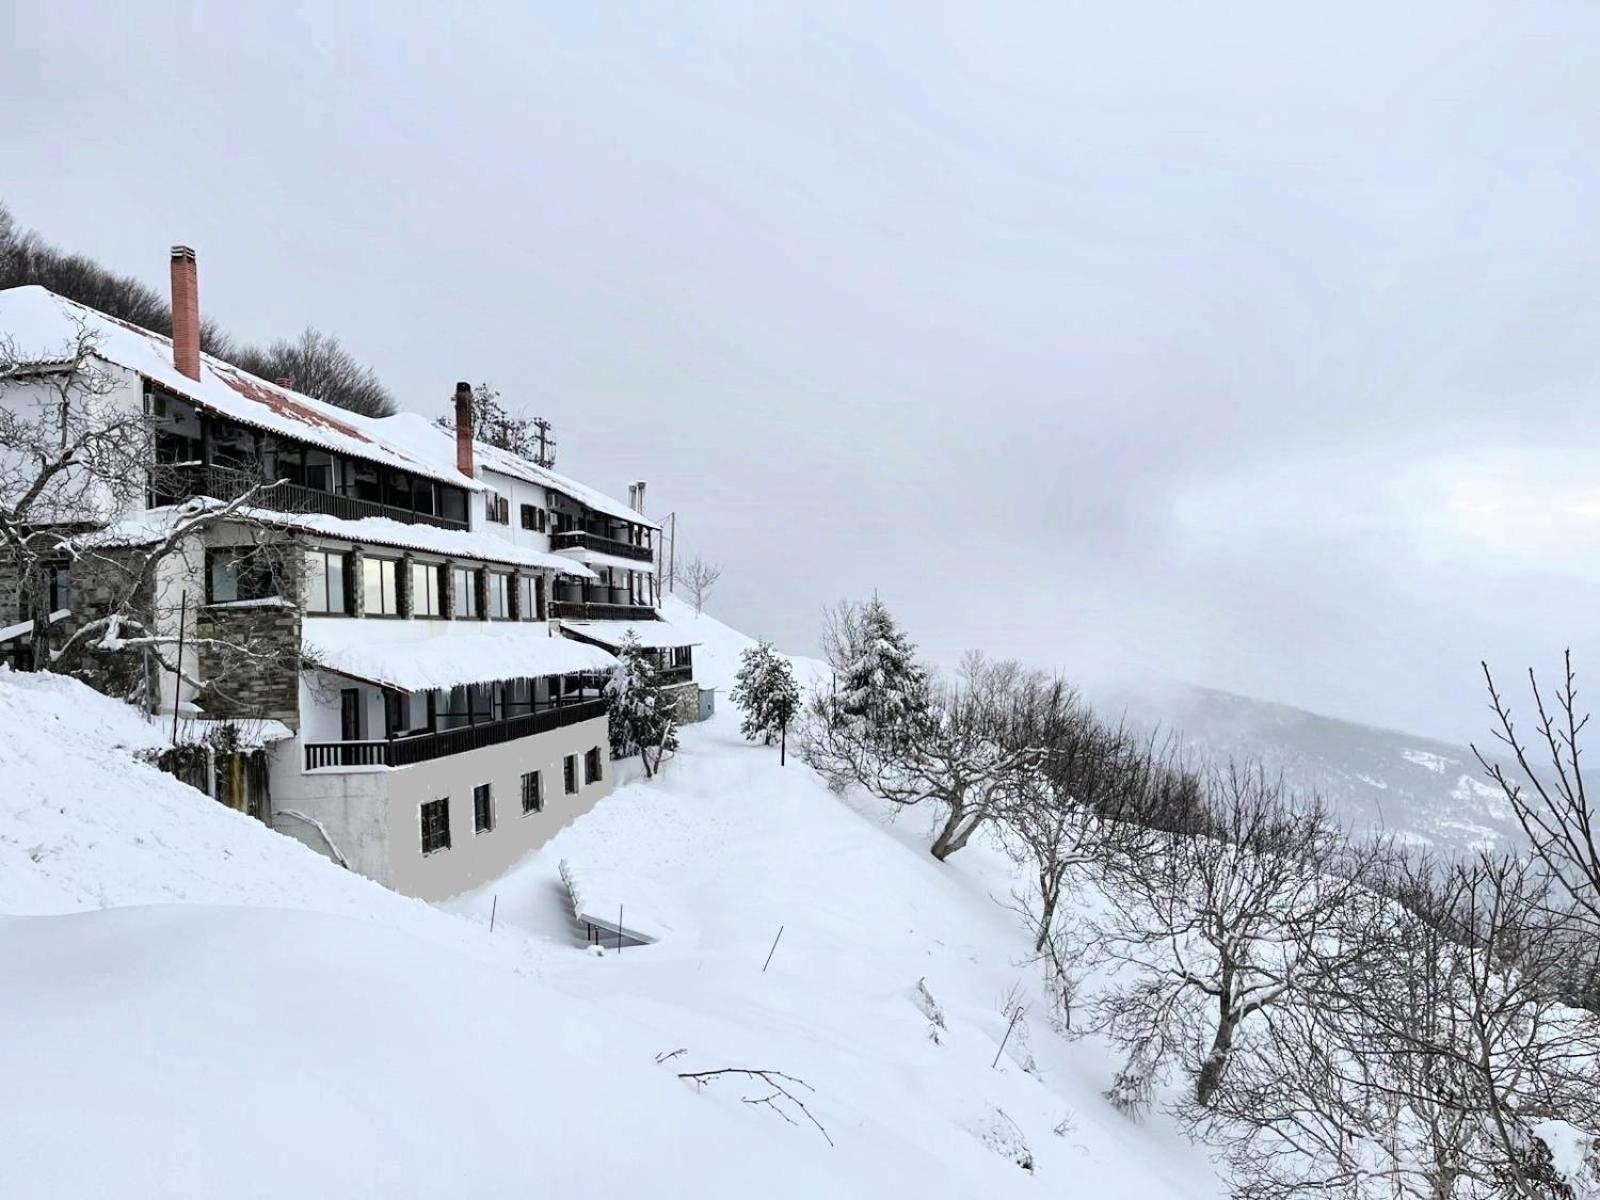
(685,701)
(257,673)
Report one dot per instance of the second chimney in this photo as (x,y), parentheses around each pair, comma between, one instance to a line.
(464,429)
(637,492)
(185,312)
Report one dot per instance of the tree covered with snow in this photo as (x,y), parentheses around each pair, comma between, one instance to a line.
(878,682)
(765,692)
(643,717)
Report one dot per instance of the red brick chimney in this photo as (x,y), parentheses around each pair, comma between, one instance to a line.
(185,312)
(464,429)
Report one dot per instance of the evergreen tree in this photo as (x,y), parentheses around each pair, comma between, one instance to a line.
(880,684)
(765,691)
(642,716)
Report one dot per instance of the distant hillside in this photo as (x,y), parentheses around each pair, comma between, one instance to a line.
(1430,792)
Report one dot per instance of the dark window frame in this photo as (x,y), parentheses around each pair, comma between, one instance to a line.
(349,596)
(569,775)
(434,818)
(483,808)
(532,793)
(366,609)
(216,555)
(592,768)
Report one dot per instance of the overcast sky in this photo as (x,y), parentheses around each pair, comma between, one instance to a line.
(1252,346)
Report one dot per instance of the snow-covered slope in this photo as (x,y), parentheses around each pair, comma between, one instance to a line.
(290,1029)
(1427,792)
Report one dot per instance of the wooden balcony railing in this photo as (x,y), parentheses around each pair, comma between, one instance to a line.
(583,610)
(423,747)
(578,539)
(174,483)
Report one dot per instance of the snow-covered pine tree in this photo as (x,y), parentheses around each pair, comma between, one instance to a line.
(881,685)
(765,691)
(642,718)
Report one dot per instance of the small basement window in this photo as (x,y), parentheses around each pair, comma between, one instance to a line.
(483,808)
(532,793)
(569,774)
(436,825)
(591,766)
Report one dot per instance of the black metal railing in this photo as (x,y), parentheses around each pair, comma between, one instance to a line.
(181,482)
(583,610)
(423,747)
(578,539)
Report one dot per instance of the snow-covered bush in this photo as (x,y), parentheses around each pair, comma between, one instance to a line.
(643,718)
(765,692)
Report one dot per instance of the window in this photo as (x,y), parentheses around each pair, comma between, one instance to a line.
(453,504)
(319,470)
(569,774)
(496,508)
(499,588)
(591,766)
(466,581)
(57,587)
(427,590)
(532,793)
(395,710)
(239,573)
(325,590)
(436,825)
(482,808)
(531,597)
(363,482)
(528,519)
(378,587)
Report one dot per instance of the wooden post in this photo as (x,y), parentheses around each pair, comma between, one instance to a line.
(771,952)
(493,907)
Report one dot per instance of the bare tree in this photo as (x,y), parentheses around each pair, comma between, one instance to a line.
(319,366)
(1419,1068)
(1550,799)
(966,754)
(699,577)
(1206,932)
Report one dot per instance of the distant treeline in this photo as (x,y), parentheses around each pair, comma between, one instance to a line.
(316,362)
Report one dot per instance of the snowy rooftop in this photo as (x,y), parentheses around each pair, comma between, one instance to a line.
(152,524)
(418,656)
(653,635)
(44,326)
(596,558)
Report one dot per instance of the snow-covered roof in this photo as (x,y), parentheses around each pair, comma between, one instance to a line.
(418,656)
(25,628)
(653,635)
(420,437)
(596,558)
(151,525)
(42,325)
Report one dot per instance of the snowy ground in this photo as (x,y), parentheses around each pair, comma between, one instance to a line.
(211,1043)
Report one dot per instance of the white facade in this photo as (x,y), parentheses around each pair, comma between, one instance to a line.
(373,816)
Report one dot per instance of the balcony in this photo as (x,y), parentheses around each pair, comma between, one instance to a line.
(588,610)
(578,539)
(182,481)
(423,747)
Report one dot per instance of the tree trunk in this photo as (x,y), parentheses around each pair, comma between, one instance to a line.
(1047,916)
(1216,1061)
(958,828)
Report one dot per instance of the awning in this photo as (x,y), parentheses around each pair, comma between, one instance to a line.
(424,655)
(653,635)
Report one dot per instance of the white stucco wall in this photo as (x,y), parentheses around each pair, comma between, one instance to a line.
(374,816)
(517,492)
